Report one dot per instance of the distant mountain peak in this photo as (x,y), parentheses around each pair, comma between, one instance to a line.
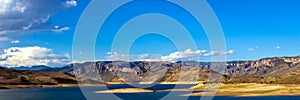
(36,67)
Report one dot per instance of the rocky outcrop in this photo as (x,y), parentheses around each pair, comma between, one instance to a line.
(15,77)
(263,67)
(144,71)
(139,71)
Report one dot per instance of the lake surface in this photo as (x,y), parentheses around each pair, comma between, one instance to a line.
(74,93)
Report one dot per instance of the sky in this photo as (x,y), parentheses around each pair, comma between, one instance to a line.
(40,32)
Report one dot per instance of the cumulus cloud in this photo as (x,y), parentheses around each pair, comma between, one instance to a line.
(4,39)
(187,54)
(192,54)
(30,56)
(278,47)
(71,3)
(30,15)
(15,41)
(217,53)
(116,56)
(251,49)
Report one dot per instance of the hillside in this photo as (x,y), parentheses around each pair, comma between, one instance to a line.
(139,71)
(15,77)
(283,70)
(280,70)
(39,67)
(264,67)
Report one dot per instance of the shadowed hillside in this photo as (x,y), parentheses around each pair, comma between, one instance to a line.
(15,77)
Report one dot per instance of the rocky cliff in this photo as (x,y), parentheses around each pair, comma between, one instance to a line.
(139,71)
(263,67)
(266,70)
(16,77)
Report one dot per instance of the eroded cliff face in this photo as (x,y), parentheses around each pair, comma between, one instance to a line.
(262,67)
(267,70)
(16,77)
(143,71)
(140,71)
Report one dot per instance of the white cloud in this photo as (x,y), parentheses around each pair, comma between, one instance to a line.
(143,55)
(19,7)
(61,28)
(30,15)
(250,49)
(278,47)
(5,4)
(111,53)
(125,57)
(30,56)
(231,52)
(187,54)
(217,53)
(4,38)
(71,3)
(15,41)
(12,5)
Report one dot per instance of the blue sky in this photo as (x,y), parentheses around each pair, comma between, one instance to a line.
(253,29)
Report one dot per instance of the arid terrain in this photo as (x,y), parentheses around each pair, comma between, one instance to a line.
(264,77)
(253,89)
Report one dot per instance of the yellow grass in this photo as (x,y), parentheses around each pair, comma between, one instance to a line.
(126,90)
(252,89)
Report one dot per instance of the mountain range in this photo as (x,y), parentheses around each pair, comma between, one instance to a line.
(38,67)
(266,70)
(29,77)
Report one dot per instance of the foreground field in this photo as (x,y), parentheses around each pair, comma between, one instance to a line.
(249,89)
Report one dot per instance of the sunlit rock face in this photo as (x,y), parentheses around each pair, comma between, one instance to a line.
(263,67)
(145,71)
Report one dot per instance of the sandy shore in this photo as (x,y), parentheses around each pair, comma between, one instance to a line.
(112,83)
(126,90)
(250,89)
(46,86)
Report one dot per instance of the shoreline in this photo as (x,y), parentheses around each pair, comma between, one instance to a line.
(46,86)
(115,83)
(248,95)
(234,90)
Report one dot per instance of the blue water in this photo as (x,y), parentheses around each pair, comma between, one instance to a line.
(74,93)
